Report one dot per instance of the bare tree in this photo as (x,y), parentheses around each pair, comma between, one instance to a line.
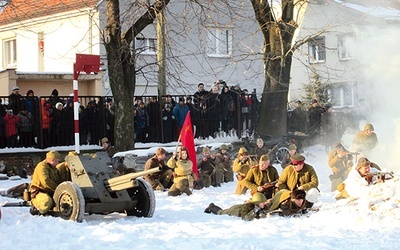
(121,66)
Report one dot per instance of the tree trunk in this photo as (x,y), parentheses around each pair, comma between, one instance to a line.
(121,67)
(278,35)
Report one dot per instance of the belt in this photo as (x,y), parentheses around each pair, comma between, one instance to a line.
(183,175)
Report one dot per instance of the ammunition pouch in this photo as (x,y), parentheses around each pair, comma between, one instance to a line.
(34,191)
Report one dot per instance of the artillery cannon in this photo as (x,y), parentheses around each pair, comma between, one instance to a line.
(95,189)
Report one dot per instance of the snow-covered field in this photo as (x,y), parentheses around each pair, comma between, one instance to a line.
(372,222)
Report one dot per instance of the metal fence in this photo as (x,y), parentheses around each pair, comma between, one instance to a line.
(37,122)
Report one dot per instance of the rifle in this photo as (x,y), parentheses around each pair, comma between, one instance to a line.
(265,186)
(381,175)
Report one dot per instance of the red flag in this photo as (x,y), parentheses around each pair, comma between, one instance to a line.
(187,139)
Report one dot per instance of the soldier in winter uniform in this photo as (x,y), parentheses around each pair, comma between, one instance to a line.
(159,180)
(340,161)
(286,158)
(260,175)
(302,176)
(183,175)
(225,163)
(260,149)
(365,140)
(241,166)
(209,169)
(285,202)
(47,175)
(257,202)
(358,180)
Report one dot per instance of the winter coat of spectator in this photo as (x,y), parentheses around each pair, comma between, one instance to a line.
(227,109)
(46,115)
(93,120)
(25,128)
(168,123)
(2,114)
(214,111)
(110,119)
(200,99)
(15,100)
(154,110)
(10,127)
(144,115)
(32,104)
(180,111)
(56,124)
(54,98)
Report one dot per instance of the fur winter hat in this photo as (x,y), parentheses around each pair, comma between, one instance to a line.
(298,194)
(362,162)
(292,147)
(53,155)
(160,151)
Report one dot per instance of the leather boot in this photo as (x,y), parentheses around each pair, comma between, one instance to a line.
(214,209)
(208,209)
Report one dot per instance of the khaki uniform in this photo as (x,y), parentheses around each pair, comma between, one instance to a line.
(340,167)
(45,180)
(241,167)
(260,151)
(283,201)
(226,166)
(210,172)
(291,180)
(239,210)
(255,178)
(184,176)
(160,180)
(365,143)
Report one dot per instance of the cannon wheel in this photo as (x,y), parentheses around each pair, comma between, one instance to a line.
(280,153)
(144,195)
(69,201)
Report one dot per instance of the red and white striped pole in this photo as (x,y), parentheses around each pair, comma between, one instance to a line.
(76,116)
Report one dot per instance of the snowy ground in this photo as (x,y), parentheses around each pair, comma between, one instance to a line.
(372,222)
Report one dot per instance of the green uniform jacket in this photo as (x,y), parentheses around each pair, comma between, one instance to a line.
(291,180)
(239,210)
(365,142)
(183,170)
(255,177)
(46,178)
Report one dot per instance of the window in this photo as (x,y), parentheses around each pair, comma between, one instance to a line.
(342,95)
(316,50)
(219,42)
(10,53)
(146,45)
(344,52)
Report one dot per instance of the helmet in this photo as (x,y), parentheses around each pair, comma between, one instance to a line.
(258,198)
(242,150)
(223,147)
(369,126)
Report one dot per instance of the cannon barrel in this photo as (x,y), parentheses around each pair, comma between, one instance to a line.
(126,181)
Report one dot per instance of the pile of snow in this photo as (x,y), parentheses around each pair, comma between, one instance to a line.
(370,222)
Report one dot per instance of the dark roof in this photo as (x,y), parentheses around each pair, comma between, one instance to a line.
(22,10)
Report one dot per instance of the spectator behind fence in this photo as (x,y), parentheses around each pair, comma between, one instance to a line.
(10,127)
(25,127)
(2,115)
(15,100)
